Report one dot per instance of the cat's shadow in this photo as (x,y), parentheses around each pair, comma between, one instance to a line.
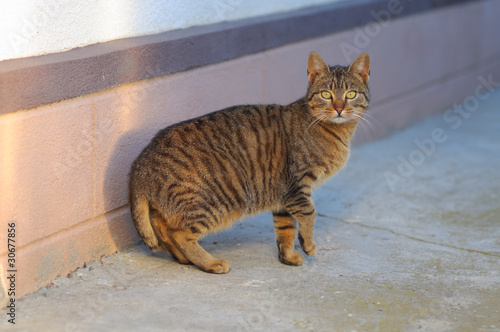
(115,190)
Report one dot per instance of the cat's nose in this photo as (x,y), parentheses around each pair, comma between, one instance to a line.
(339,109)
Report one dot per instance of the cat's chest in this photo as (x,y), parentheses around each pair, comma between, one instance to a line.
(330,164)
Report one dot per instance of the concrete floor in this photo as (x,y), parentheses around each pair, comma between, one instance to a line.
(406,241)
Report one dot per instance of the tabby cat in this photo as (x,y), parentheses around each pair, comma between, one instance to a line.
(201,175)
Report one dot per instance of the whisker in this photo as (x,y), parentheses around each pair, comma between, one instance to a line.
(313,116)
(371,116)
(368,115)
(364,122)
(370,124)
(316,121)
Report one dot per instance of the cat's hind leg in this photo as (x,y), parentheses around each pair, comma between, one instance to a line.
(161,230)
(187,241)
(285,229)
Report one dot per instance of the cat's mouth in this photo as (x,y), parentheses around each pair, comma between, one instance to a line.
(339,118)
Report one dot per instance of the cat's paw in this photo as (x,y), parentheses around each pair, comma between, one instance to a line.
(219,266)
(309,247)
(309,250)
(294,259)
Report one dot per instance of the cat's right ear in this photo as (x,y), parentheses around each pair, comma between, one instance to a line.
(315,66)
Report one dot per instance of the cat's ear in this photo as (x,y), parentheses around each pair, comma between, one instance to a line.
(361,67)
(315,66)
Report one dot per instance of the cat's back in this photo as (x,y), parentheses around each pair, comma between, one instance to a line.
(233,127)
(237,150)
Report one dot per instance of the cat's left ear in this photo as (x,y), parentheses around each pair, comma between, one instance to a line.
(361,67)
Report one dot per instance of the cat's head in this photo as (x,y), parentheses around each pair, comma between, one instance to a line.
(338,94)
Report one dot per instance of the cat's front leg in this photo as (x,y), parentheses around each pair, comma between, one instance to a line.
(302,209)
(286,230)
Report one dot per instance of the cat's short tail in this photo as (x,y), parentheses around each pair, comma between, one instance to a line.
(140,213)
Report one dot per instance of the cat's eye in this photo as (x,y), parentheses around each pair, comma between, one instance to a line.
(326,94)
(350,94)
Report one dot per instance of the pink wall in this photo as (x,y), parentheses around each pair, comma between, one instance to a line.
(64,166)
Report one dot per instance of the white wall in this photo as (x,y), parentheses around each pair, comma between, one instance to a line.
(34,27)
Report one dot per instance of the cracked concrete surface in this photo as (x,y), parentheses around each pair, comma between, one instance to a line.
(414,248)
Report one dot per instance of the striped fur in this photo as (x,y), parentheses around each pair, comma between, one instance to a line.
(201,175)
